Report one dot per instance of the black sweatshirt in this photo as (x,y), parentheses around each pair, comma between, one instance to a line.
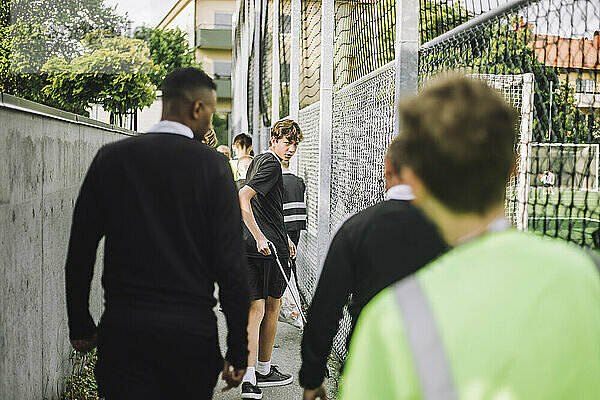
(168,209)
(373,249)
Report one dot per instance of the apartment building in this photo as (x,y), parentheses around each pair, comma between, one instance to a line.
(208,24)
(579,63)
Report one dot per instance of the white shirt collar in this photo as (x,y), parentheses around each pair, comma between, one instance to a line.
(399,192)
(172,127)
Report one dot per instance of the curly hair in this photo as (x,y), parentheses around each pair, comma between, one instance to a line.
(210,138)
(287,128)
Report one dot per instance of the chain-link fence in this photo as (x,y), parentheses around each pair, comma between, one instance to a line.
(285,52)
(364,38)
(310,42)
(266,61)
(542,55)
(557,43)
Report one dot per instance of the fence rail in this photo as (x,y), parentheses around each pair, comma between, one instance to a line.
(542,55)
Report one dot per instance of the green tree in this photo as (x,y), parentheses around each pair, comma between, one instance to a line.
(169,49)
(507,48)
(437,18)
(220,126)
(34,31)
(114,72)
(64,23)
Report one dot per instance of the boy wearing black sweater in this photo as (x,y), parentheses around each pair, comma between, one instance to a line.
(373,249)
(166,205)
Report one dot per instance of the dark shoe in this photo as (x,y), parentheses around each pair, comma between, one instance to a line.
(250,391)
(273,378)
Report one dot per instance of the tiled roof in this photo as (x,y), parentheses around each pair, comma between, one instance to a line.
(556,51)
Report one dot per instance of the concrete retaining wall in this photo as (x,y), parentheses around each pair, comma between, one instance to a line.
(44,154)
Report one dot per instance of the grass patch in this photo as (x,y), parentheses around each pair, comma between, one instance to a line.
(81,384)
(571,215)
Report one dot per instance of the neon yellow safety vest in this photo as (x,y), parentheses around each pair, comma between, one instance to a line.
(234,164)
(507,316)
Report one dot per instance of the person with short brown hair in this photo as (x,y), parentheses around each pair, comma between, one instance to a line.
(371,250)
(475,145)
(504,314)
(289,129)
(242,145)
(242,149)
(261,201)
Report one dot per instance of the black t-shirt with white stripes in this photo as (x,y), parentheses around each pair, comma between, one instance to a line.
(294,207)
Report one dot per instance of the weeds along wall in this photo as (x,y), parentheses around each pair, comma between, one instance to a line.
(344,65)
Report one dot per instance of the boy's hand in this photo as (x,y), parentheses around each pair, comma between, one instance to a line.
(85,345)
(233,377)
(313,394)
(292,247)
(262,244)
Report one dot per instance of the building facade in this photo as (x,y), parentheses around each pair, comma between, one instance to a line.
(208,25)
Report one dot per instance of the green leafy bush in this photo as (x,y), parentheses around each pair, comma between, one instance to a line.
(81,384)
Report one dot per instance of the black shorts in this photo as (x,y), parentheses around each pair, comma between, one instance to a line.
(265,278)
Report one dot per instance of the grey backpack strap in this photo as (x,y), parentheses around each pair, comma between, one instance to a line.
(424,340)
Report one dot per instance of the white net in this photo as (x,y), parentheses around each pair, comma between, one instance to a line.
(517,90)
(363,127)
(308,170)
(573,166)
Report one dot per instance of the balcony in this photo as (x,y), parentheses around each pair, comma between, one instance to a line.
(209,38)
(223,88)
(587,100)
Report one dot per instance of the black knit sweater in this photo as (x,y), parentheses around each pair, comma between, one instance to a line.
(168,209)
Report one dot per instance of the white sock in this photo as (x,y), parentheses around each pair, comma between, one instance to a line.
(250,376)
(263,368)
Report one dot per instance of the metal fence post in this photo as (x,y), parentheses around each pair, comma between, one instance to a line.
(276,65)
(256,136)
(294,71)
(295,56)
(407,51)
(526,137)
(325,127)
(239,115)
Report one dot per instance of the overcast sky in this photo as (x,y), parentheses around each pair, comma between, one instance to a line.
(143,12)
(571,18)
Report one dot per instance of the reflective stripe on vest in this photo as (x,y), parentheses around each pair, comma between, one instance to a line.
(424,341)
(595,259)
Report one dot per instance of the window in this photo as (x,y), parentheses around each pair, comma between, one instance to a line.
(585,86)
(222,69)
(223,20)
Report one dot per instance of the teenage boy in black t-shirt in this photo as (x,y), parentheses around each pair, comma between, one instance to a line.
(261,201)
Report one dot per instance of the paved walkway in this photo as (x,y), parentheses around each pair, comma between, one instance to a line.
(286,354)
